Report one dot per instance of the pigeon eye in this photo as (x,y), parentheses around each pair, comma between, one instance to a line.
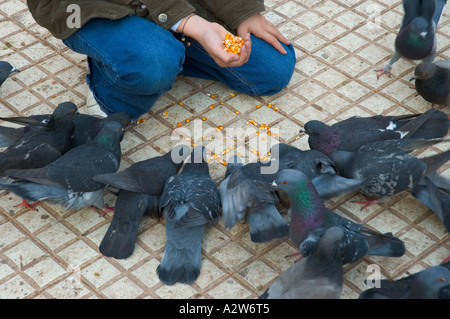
(424,74)
(442,279)
(309,130)
(284,182)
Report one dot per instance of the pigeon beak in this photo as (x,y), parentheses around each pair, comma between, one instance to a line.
(302,131)
(413,78)
(14,70)
(274,185)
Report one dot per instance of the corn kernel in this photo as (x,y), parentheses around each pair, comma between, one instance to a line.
(258,106)
(236,112)
(180,103)
(179,124)
(232,44)
(204,118)
(212,106)
(188,120)
(165,113)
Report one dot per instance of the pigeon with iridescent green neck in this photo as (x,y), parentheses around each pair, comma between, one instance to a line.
(310,218)
(416,39)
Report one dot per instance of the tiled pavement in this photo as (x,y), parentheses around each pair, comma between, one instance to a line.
(54,254)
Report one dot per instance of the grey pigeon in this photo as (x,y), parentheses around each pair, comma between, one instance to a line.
(430,283)
(387,167)
(139,191)
(350,134)
(416,39)
(437,199)
(69,179)
(310,218)
(41,145)
(6,69)
(244,197)
(432,81)
(86,127)
(190,201)
(317,166)
(318,276)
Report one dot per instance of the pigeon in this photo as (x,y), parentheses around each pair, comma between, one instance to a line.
(387,167)
(69,179)
(41,145)
(341,135)
(437,199)
(318,276)
(317,166)
(310,218)
(432,81)
(430,283)
(6,69)
(190,201)
(86,127)
(243,196)
(416,39)
(139,191)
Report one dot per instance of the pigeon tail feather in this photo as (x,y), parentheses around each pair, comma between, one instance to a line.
(182,255)
(266,224)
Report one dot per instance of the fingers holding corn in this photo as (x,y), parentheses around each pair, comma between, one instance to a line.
(232,44)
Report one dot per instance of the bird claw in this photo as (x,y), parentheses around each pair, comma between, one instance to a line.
(293,255)
(381,72)
(104,211)
(367,202)
(28,206)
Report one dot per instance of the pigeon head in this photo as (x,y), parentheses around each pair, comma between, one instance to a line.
(5,71)
(110,134)
(121,117)
(431,283)
(299,187)
(322,137)
(424,71)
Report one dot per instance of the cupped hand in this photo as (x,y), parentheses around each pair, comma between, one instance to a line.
(210,36)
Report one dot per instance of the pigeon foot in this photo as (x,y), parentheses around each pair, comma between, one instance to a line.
(381,72)
(27,205)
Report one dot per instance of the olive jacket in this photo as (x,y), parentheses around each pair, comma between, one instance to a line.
(63,17)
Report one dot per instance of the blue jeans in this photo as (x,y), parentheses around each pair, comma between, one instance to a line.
(132,61)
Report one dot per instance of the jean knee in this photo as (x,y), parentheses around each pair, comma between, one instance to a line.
(278,72)
(140,73)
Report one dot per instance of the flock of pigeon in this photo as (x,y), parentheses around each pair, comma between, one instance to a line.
(71,159)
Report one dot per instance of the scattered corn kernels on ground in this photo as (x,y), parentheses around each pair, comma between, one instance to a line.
(232,44)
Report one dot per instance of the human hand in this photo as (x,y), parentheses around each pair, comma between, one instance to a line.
(264,29)
(210,36)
